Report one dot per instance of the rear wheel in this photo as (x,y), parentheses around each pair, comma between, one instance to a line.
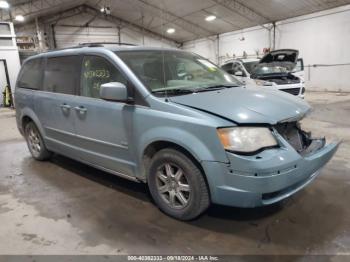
(35,142)
(177,185)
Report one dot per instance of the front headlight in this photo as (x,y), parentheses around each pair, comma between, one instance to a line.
(246,139)
(262,83)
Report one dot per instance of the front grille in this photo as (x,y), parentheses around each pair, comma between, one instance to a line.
(293,91)
(283,81)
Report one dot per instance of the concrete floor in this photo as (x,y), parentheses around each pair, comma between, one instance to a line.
(64,207)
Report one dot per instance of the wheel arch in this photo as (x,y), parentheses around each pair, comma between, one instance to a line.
(27,116)
(25,120)
(158,145)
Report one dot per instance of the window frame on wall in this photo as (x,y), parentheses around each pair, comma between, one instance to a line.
(10,36)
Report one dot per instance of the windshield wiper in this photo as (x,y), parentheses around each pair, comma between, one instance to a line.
(173,91)
(213,88)
(176,91)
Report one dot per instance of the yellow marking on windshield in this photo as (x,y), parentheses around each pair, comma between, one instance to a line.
(211,67)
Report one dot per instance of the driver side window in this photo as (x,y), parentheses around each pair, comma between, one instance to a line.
(238,68)
(95,72)
(228,68)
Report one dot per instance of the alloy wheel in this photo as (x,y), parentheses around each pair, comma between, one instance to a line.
(173,186)
(34,141)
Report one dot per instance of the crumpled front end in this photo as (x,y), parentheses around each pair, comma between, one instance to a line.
(273,174)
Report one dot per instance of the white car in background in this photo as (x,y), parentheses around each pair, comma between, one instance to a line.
(279,69)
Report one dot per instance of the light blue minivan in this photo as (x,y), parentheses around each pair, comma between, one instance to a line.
(171,119)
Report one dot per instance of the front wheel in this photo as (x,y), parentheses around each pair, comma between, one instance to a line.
(35,142)
(177,185)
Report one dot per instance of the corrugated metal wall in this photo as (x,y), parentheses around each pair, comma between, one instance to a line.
(70,36)
(67,36)
(71,32)
(99,30)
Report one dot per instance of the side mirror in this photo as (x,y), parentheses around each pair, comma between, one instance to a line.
(114,91)
(238,73)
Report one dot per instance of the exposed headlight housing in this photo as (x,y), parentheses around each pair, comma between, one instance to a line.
(263,83)
(246,139)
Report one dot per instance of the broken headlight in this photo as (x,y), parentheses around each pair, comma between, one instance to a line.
(263,83)
(246,139)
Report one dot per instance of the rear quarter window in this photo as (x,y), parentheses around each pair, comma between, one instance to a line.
(31,75)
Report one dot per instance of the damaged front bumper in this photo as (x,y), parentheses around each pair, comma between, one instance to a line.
(269,176)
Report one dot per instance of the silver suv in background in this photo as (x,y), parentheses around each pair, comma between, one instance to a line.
(170,119)
(278,70)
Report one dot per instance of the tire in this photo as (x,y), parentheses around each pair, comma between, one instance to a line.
(35,142)
(177,185)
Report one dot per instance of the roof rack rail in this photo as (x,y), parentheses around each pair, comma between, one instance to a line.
(100,44)
(91,44)
(63,48)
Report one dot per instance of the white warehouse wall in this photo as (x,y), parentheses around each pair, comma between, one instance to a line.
(11,56)
(322,39)
(232,44)
(205,47)
(13,67)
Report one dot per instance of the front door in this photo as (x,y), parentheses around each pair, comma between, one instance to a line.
(101,125)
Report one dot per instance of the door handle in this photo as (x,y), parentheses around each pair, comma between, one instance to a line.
(65,107)
(80,109)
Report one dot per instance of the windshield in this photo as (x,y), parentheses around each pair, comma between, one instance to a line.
(263,69)
(175,70)
(250,66)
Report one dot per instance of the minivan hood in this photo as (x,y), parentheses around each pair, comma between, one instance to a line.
(247,106)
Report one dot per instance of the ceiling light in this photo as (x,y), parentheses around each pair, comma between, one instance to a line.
(210,18)
(19,18)
(170,30)
(4,4)
(106,10)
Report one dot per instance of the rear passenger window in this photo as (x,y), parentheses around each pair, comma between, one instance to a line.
(62,74)
(31,75)
(95,72)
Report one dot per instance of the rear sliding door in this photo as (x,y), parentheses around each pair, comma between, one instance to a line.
(56,102)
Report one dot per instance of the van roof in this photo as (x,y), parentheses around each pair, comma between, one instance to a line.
(98,49)
(243,60)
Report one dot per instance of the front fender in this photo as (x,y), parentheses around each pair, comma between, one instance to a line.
(180,137)
(196,147)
